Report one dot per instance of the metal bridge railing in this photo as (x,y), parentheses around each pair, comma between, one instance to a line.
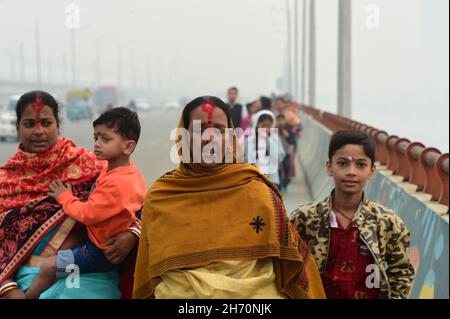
(425,167)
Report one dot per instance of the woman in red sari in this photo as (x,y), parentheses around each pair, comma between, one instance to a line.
(33,225)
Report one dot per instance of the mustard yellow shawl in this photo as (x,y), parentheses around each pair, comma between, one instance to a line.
(194,217)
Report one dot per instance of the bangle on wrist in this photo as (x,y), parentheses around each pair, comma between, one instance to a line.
(8,287)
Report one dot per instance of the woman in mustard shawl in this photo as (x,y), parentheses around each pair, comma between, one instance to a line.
(215,230)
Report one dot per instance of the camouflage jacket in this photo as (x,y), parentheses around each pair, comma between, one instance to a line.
(380,229)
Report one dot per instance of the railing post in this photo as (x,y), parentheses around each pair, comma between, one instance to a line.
(417,170)
(442,168)
(392,164)
(399,150)
(429,158)
(380,140)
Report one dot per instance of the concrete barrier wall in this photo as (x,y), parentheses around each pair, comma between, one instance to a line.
(429,228)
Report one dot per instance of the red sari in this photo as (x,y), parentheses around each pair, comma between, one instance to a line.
(25,178)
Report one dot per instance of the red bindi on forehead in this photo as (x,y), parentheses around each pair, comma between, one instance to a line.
(38,106)
(208,108)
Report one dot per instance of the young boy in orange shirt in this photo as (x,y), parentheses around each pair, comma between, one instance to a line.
(118,194)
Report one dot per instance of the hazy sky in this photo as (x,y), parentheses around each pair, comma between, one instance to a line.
(400,70)
(208,44)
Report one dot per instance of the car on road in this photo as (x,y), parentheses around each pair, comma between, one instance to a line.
(171,104)
(8,126)
(142,105)
(77,110)
(13,99)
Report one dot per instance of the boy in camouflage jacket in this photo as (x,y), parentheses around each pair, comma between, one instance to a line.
(361,248)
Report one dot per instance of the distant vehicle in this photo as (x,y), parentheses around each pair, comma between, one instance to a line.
(78,110)
(8,120)
(171,104)
(8,126)
(77,94)
(104,96)
(78,106)
(142,105)
(12,103)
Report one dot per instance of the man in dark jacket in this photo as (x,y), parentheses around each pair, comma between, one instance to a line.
(238,112)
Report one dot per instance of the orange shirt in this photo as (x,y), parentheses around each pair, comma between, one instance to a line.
(111,207)
(292,119)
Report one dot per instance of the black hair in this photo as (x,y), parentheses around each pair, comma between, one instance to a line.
(248,106)
(123,120)
(280,116)
(266,103)
(186,115)
(30,98)
(342,138)
(233,88)
(262,118)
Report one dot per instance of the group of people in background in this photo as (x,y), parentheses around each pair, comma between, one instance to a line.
(275,112)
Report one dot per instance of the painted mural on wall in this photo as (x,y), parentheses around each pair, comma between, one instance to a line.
(429,237)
